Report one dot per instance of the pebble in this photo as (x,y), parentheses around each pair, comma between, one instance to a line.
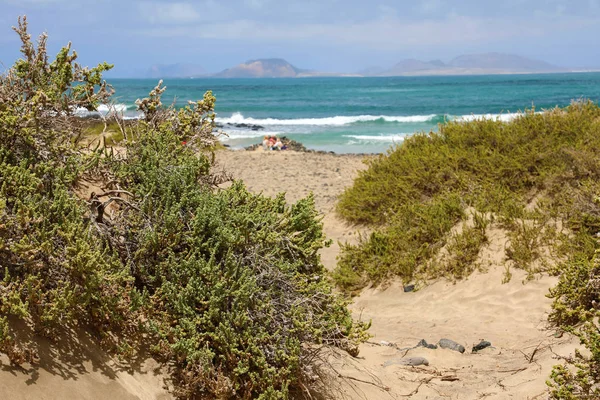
(409,288)
(423,343)
(451,345)
(482,345)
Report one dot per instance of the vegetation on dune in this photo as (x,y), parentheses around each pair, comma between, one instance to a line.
(414,195)
(225,285)
(535,178)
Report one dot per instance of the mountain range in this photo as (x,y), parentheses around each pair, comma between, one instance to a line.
(472,64)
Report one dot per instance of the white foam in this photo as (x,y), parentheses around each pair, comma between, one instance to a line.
(378,138)
(238,118)
(103,109)
(498,117)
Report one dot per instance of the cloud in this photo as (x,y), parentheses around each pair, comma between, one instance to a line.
(257,4)
(428,6)
(387,32)
(168,13)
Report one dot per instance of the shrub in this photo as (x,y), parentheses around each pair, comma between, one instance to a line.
(416,232)
(493,166)
(52,268)
(224,285)
(576,311)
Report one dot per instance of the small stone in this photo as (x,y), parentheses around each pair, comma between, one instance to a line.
(451,345)
(482,345)
(409,288)
(423,343)
(411,361)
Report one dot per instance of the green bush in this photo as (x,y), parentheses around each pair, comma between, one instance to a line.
(576,310)
(224,285)
(52,268)
(234,280)
(492,166)
(415,234)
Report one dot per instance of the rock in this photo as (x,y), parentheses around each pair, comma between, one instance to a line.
(411,361)
(409,288)
(248,126)
(482,345)
(424,343)
(451,345)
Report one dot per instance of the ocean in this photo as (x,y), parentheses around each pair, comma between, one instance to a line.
(361,115)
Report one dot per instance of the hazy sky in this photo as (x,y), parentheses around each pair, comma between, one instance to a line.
(328,35)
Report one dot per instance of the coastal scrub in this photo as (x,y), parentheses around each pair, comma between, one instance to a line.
(535,178)
(223,285)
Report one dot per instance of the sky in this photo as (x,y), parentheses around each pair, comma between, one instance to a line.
(325,35)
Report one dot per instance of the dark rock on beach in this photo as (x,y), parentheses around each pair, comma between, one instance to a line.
(423,343)
(482,345)
(409,288)
(451,345)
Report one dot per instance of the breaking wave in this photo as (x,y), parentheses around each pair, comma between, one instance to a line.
(238,118)
(377,138)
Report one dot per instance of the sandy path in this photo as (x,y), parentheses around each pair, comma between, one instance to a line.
(511,316)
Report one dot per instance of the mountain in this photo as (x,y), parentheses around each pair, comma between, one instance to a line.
(181,70)
(499,61)
(264,68)
(472,64)
(412,66)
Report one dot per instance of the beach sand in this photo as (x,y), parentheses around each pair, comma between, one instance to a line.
(511,316)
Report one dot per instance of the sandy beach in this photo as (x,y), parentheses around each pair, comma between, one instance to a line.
(511,316)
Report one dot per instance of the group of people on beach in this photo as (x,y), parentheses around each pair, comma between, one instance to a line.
(272,143)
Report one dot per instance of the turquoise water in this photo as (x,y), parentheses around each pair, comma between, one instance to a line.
(363,115)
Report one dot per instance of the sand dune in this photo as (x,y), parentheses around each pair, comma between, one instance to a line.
(75,367)
(511,316)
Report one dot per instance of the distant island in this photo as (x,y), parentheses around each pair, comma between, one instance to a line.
(471,64)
